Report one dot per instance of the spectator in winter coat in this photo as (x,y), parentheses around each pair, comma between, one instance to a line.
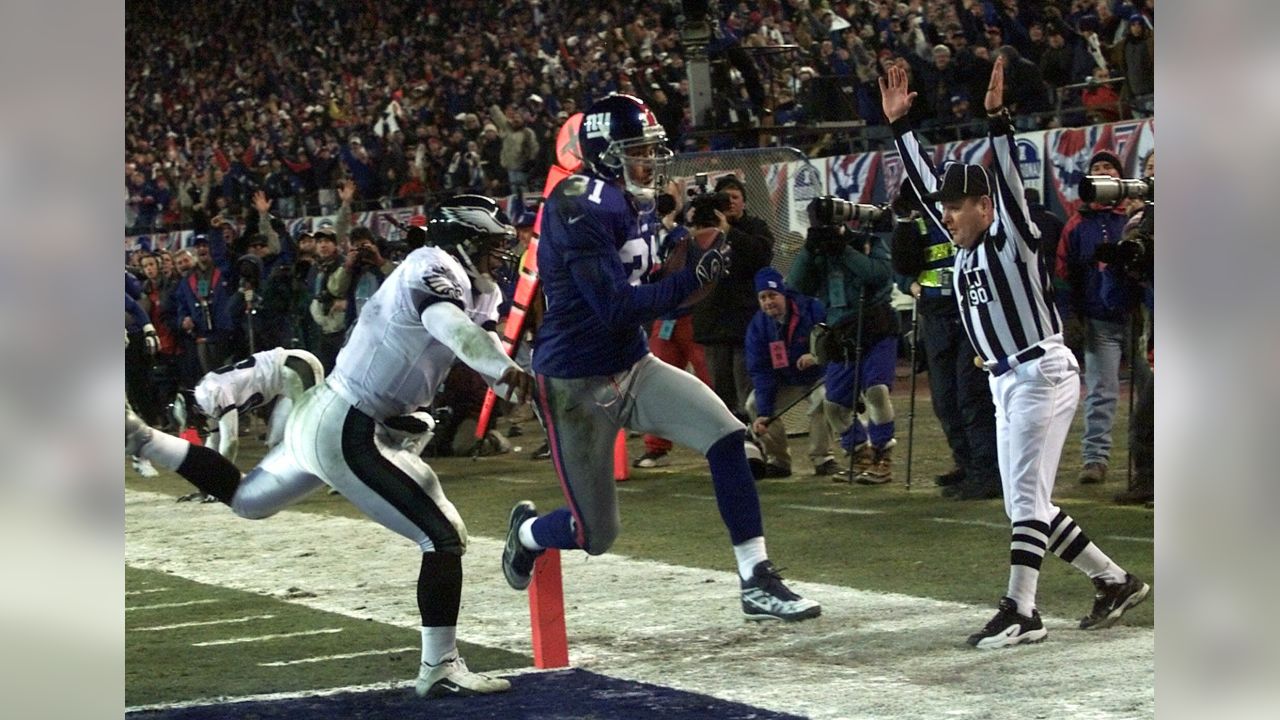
(782,370)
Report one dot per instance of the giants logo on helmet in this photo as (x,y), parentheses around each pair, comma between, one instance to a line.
(597,125)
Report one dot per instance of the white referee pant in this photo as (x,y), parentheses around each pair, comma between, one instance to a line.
(1035,402)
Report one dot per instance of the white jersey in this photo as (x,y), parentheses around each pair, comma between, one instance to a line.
(392,364)
(252,382)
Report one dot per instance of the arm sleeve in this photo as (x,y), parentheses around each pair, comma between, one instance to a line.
(229,434)
(919,169)
(1011,205)
(338,282)
(469,342)
(801,276)
(760,369)
(268,232)
(136,312)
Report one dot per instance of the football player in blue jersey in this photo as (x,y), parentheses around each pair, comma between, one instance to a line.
(599,264)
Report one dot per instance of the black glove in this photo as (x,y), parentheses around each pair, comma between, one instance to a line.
(711,266)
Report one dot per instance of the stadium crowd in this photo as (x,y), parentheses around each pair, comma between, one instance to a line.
(411,101)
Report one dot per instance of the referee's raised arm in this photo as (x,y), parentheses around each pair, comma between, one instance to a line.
(895,101)
(1012,213)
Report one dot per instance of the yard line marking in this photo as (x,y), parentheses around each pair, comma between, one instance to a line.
(516,481)
(841,511)
(981,523)
(343,656)
(270,697)
(202,623)
(260,638)
(693,497)
(1129,538)
(144,592)
(162,606)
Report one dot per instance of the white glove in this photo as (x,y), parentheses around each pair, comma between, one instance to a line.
(150,338)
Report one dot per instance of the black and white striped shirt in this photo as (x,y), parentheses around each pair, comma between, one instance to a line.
(1004,292)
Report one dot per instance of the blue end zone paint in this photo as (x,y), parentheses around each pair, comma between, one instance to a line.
(564,695)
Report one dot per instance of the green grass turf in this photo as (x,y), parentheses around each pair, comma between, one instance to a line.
(164,665)
(668,515)
(902,549)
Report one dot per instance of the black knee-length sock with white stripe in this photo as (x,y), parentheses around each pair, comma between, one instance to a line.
(1026,551)
(1068,541)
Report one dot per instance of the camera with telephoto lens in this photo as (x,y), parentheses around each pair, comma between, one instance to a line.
(705,203)
(1133,253)
(1106,189)
(832,210)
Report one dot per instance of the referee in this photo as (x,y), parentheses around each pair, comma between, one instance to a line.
(1006,306)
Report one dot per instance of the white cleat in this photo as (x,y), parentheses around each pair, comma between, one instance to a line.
(452,678)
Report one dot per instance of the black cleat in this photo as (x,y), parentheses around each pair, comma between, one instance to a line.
(1008,628)
(517,560)
(1112,601)
(765,597)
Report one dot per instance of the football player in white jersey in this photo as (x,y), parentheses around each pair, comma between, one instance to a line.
(275,374)
(431,310)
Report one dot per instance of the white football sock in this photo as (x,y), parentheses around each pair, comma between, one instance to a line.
(1022,588)
(165,450)
(749,554)
(438,643)
(526,535)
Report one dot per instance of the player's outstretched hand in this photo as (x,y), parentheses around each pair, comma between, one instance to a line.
(519,385)
(995,89)
(895,99)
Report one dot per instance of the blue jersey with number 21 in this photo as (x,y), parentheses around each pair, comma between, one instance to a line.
(596,260)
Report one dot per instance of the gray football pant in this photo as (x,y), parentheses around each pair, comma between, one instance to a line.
(583,416)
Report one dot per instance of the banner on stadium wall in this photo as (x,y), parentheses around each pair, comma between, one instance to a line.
(976,151)
(1029,149)
(853,177)
(1068,152)
(1144,146)
(892,171)
(806,181)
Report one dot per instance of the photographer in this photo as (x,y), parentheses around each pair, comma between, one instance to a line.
(361,274)
(1117,280)
(720,320)
(849,272)
(922,250)
(261,305)
(328,311)
(1106,325)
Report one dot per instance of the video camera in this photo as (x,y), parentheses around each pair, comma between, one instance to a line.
(705,203)
(1134,253)
(832,210)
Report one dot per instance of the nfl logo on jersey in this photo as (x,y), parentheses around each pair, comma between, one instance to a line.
(597,125)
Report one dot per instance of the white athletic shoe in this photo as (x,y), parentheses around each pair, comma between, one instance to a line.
(451,677)
(143,467)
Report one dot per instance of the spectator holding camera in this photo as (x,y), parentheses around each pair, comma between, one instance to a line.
(1106,323)
(361,274)
(720,320)
(327,310)
(850,274)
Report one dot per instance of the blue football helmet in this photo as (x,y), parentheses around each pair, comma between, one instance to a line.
(620,139)
(469,227)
